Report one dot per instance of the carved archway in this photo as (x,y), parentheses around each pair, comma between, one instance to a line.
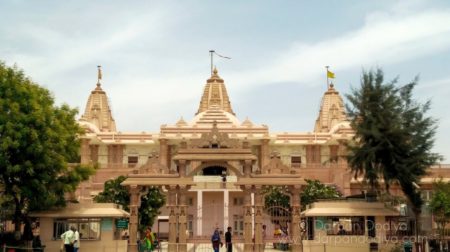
(225,165)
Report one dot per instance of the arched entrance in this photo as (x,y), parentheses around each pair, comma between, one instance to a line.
(214,170)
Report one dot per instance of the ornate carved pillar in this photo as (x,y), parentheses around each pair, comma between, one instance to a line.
(163,152)
(248,244)
(334,154)
(295,221)
(265,154)
(169,155)
(247,168)
(182,167)
(94,153)
(199,212)
(226,204)
(182,219)
(135,202)
(259,246)
(85,152)
(342,154)
(171,205)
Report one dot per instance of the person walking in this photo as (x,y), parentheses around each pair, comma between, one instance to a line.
(228,243)
(68,238)
(215,240)
(76,243)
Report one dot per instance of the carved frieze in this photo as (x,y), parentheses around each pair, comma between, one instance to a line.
(153,166)
(215,139)
(275,166)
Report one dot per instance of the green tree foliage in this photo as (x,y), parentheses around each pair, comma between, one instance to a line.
(37,140)
(115,193)
(440,204)
(315,190)
(276,196)
(151,200)
(393,136)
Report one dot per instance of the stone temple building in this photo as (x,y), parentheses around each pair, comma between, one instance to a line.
(214,167)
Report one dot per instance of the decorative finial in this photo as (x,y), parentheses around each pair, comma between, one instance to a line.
(99,75)
(215,71)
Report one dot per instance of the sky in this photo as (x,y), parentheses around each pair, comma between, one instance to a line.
(155,54)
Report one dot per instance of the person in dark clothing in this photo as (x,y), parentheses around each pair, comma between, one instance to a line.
(341,230)
(228,243)
(37,245)
(215,240)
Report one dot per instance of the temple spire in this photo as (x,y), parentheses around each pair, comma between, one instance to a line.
(215,95)
(332,110)
(98,111)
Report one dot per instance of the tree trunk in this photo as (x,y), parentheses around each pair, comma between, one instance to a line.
(416,227)
(17,218)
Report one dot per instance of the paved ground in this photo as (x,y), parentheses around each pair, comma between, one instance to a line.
(204,247)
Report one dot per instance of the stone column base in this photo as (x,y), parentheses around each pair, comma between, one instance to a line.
(172,247)
(182,247)
(248,247)
(132,248)
(259,247)
(297,247)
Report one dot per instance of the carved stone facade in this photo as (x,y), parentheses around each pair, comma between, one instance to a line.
(214,168)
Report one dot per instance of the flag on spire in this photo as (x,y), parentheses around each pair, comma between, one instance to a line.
(330,74)
(212,52)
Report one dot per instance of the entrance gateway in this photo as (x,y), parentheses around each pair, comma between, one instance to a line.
(215,184)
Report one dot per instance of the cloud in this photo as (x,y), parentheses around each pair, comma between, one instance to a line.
(66,41)
(383,39)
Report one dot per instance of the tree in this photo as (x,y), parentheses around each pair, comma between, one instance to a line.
(37,140)
(276,196)
(393,136)
(151,200)
(440,205)
(315,190)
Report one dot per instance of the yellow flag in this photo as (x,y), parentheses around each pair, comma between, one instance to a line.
(330,74)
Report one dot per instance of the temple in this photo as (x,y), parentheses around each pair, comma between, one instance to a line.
(214,168)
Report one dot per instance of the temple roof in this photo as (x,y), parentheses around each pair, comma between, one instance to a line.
(332,111)
(98,111)
(215,115)
(215,95)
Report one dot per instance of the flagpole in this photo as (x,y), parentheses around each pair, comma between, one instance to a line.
(99,74)
(328,81)
(211,52)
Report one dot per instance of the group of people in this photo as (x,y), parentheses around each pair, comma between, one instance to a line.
(71,240)
(281,234)
(217,242)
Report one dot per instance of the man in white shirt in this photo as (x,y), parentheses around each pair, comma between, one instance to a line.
(76,243)
(68,237)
